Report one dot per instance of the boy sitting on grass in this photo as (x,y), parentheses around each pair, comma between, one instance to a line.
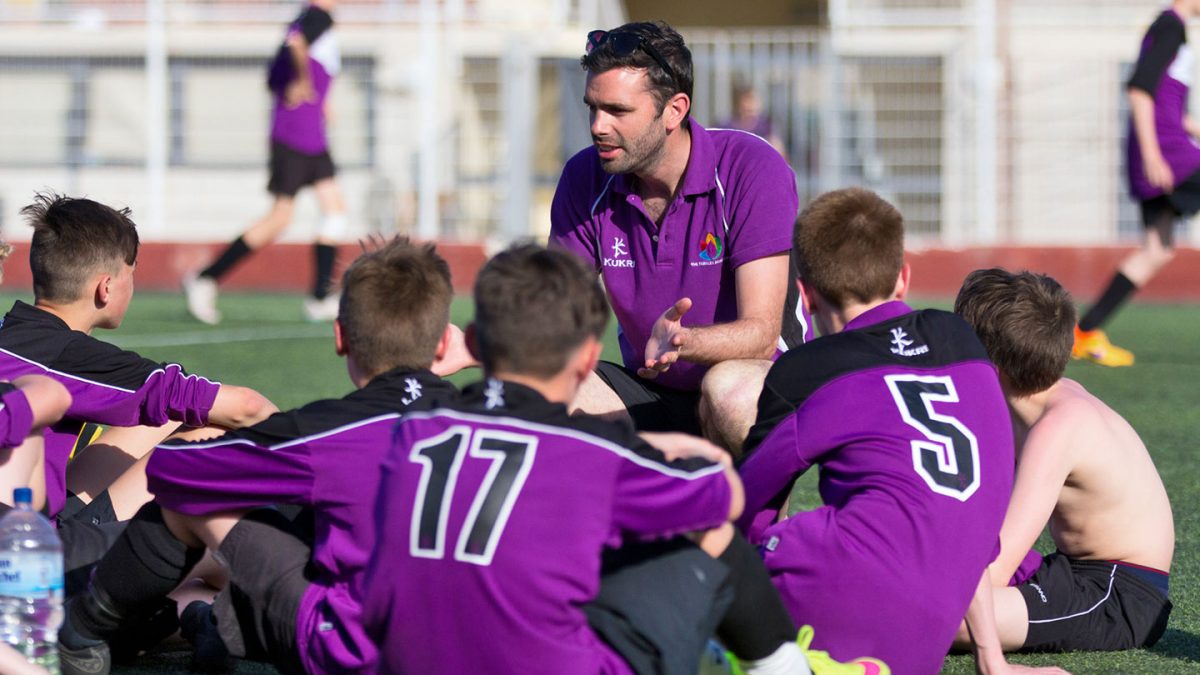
(1081,468)
(82,257)
(289,600)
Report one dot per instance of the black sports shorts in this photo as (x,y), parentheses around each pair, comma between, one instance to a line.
(652,406)
(1094,605)
(268,576)
(1161,212)
(292,169)
(659,603)
(87,532)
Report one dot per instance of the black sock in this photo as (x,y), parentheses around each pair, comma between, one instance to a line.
(1118,291)
(757,623)
(145,564)
(233,255)
(324,255)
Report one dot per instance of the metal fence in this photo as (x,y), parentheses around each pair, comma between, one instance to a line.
(984,121)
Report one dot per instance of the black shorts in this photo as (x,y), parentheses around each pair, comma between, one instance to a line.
(87,532)
(659,603)
(1161,213)
(292,169)
(1094,605)
(268,576)
(652,406)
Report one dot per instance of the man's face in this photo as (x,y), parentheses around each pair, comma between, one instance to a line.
(627,125)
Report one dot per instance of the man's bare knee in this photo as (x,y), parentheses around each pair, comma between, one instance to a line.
(729,401)
(595,397)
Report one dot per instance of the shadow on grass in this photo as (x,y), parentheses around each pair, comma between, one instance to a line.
(1178,644)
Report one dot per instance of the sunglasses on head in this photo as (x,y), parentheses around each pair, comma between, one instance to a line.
(624,44)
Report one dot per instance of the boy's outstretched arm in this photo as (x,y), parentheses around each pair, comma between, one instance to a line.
(1043,464)
(237,407)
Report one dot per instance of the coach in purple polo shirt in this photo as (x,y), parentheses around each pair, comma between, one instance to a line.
(690,229)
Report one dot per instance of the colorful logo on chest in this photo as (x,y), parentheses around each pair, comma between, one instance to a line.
(711,248)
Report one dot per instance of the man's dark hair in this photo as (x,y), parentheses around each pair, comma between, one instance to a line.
(660,37)
(74,239)
(395,306)
(849,246)
(534,307)
(1026,322)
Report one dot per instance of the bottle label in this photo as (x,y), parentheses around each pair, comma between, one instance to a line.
(31,574)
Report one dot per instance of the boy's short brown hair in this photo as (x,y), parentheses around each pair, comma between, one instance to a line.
(74,239)
(395,306)
(534,307)
(849,246)
(1026,322)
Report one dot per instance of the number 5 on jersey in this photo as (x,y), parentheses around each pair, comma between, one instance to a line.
(948,457)
(441,458)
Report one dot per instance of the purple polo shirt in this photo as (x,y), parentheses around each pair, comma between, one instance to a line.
(302,128)
(737,203)
(1164,70)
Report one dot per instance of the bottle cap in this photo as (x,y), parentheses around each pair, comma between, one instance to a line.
(23,496)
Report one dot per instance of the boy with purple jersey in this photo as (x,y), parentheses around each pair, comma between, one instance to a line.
(903,412)
(82,257)
(300,78)
(690,230)
(495,514)
(1080,467)
(1163,160)
(28,404)
(289,602)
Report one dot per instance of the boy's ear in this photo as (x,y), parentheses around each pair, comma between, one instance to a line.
(902,281)
(808,296)
(443,345)
(339,341)
(471,335)
(101,289)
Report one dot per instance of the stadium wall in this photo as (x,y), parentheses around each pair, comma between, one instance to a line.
(937,272)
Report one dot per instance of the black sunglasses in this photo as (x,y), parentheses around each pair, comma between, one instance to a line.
(624,44)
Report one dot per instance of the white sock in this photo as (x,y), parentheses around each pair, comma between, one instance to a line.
(787,660)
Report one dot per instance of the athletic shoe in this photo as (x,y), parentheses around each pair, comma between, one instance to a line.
(325,309)
(822,663)
(1094,346)
(91,660)
(201,295)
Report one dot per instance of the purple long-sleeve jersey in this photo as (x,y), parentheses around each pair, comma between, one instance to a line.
(904,414)
(324,456)
(108,385)
(492,516)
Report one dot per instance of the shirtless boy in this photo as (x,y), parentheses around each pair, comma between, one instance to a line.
(1082,468)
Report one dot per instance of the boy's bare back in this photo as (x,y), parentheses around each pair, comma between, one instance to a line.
(1112,504)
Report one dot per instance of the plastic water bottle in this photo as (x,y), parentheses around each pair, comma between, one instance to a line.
(31,582)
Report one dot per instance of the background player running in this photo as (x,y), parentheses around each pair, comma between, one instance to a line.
(1163,160)
(300,77)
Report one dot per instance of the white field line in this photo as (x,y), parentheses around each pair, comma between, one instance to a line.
(185,338)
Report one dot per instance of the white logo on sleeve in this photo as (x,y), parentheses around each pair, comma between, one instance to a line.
(620,254)
(902,343)
(413,389)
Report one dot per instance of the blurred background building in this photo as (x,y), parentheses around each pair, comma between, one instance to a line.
(989,122)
